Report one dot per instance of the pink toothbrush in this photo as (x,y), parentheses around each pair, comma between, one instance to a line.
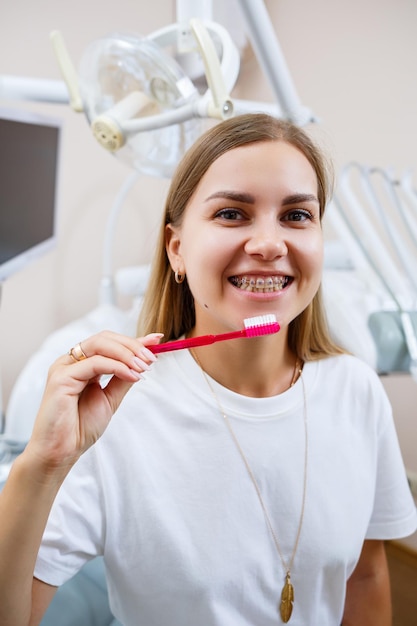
(254,327)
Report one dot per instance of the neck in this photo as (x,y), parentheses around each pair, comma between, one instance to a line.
(256,367)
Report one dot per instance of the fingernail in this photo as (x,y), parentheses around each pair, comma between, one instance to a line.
(140,363)
(148,354)
(136,374)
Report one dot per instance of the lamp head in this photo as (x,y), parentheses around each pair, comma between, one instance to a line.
(140,103)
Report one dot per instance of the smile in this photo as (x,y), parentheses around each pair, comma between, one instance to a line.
(260,284)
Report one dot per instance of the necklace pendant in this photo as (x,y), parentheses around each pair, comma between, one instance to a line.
(287,599)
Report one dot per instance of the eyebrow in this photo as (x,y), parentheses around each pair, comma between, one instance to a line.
(233,195)
(300,197)
(250,199)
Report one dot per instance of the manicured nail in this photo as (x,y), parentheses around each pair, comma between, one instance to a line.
(148,354)
(140,363)
(136,374)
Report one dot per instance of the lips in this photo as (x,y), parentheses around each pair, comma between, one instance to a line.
(260,284)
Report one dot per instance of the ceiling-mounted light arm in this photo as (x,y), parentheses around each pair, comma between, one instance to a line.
(185,11)
(272,61)
(67,70)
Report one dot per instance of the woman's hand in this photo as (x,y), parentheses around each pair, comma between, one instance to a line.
(75,409)
(74,412)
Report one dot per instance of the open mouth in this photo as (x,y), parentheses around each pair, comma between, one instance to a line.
(260,284)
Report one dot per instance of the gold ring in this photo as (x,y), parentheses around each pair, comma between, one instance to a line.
(77,353)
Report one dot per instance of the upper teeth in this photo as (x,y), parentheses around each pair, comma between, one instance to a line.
(261,283)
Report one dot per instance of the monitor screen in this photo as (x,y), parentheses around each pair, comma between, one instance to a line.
(29,160)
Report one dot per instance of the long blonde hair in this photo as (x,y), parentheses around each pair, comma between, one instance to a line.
(168,307)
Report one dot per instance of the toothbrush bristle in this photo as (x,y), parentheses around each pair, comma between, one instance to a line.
(261,325)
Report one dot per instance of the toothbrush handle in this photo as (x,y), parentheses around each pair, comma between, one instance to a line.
(194,342)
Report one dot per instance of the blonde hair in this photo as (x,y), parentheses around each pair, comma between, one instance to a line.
(168,307)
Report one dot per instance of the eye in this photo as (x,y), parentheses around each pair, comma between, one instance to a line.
(229,215)
(298,215)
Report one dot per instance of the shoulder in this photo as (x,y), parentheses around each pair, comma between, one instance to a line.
(350,382)
(349,368)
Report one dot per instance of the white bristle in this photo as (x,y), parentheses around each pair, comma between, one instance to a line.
(261,325)
(259,320)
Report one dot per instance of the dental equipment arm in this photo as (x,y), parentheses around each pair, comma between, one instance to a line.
(271,58)
(33,89)
(379,260)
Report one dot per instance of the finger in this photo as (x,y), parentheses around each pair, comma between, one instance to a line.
(106,343)
(112,344)
(116,347)
(115,391)
(97,366)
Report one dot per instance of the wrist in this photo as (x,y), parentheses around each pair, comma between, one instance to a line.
(42,469)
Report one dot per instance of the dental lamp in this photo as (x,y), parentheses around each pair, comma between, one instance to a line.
(141,106)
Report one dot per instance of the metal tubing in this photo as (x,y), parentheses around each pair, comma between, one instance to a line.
(270,56)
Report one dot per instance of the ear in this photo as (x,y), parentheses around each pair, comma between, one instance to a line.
(173,248)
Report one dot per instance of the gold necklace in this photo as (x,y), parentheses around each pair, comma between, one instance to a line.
(287,593)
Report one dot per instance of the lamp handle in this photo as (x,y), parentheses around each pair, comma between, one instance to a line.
(67,70)
(221,106)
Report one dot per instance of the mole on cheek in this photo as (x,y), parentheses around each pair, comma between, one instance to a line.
(206,306)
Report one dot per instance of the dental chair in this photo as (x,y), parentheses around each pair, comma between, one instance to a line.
(83,600)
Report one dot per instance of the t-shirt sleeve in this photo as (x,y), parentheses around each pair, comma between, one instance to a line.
(75,528)
(394,512)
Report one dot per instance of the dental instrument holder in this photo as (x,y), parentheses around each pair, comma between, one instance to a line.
(394,331)
(393,353)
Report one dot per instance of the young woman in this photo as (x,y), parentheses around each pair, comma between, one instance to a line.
(251,481)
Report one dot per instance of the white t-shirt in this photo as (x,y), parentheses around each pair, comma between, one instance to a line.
(165,497)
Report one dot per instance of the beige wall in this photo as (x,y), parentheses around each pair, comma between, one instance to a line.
(64,285)
(354,65)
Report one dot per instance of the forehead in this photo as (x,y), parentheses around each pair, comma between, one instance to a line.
(263,165)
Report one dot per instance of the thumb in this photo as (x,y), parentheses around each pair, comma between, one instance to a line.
(115,391)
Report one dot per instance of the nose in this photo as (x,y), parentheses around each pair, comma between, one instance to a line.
(267,241)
